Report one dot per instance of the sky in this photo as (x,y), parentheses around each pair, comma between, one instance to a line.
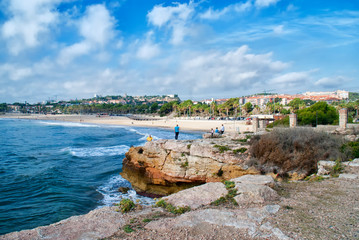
(198,49)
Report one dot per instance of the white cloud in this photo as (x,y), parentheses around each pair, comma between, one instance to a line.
(97,29)
(14,72)
(218,72)
(331,82)
(29,20)
(148,51)
(71,52)
(291,80)
(174,17)
(265,3)
(97,25)
(211,14)
(278,29)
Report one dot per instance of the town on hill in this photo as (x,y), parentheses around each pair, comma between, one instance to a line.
(173,106)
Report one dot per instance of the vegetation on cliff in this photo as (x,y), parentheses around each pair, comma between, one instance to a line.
(286,150)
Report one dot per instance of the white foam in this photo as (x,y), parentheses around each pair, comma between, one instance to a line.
(97,151)
(69,124)
(111,195)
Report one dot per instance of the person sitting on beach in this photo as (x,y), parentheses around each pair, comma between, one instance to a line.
(149,138)
(216,130)
(222,129)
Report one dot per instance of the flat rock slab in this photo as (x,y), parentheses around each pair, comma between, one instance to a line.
(240,219)
(97,224)
(255,179)
(198,196)
(348,176)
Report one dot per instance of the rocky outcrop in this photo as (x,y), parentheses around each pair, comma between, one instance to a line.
(97,224)
(167,166)
(249,189)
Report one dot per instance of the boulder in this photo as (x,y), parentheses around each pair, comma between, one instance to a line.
(324,167)
(254,193)
(198,196)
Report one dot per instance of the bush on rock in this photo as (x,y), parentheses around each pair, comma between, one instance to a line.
(294,150)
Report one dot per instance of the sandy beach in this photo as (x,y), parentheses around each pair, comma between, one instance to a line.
(184,124)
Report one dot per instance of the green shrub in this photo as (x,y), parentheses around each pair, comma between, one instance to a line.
(280,123)
(169,207)
(146,220)
(232,192)
(222,148)
(128,229)
(337,169)
(229,184)
(351,149)
(185,164)
(219,201)
(189,146)
(126,205)
(314,178)
(241,150)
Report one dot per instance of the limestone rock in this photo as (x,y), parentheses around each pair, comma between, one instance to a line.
(254,193)
(99,223)
(354,163)
(168,166)
(324,167)
(255,179)
(348,176)
(198,196)
(251,221)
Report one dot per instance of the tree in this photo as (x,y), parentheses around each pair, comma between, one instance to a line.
(320,113)
(154,107)
(248,107)
(3,107)
(295,104)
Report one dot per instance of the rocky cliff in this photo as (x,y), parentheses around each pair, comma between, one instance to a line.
(167,166)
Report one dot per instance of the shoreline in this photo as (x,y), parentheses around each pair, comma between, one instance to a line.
(168,123)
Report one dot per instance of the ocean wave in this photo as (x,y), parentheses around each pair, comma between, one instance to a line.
(97,151)
(111,195)
(68,124)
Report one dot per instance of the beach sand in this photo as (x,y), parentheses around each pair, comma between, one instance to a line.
(184,124)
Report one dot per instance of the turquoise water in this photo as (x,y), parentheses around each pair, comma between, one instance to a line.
(50,171)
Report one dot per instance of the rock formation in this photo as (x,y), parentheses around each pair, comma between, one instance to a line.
(167,166)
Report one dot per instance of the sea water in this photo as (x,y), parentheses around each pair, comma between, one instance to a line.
(52,170)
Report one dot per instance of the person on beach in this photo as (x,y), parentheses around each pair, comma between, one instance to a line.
(176,131)
(149,138)
(212,132)
(222,129)
(216,130)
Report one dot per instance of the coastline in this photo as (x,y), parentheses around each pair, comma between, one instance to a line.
(169,123)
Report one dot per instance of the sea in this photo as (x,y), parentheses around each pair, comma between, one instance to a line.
(52,170)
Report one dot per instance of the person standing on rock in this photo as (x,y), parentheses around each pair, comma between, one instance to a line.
(176,131)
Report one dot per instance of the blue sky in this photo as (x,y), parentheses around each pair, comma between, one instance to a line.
(198,49)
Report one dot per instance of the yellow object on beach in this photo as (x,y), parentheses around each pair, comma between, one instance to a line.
(149,138)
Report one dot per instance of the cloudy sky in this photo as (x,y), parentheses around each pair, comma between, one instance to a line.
(69,49)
